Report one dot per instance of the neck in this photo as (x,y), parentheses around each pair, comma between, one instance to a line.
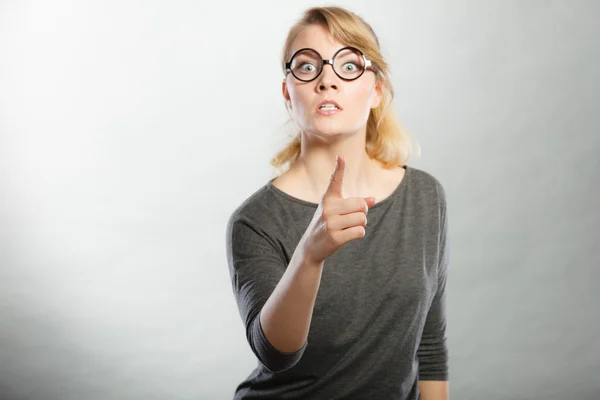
(316,162)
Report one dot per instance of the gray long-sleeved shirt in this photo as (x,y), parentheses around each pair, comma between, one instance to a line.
(379,321)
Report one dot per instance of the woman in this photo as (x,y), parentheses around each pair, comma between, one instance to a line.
(335,308)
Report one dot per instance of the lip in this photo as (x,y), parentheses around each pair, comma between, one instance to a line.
(329,101)
(326,113)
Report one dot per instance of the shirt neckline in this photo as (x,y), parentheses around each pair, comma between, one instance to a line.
(306,203)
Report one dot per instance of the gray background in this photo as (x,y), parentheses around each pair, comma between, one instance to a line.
(130,130)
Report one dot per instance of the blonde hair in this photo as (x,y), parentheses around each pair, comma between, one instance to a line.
(386,139)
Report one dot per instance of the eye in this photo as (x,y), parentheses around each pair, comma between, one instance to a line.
(307,67)
(350,67)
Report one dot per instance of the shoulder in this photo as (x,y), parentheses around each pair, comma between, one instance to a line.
(253,206)
(260,212)
(429,186)
(253,225)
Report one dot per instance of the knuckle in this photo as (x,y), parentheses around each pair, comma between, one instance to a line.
(361,204)
(361,219)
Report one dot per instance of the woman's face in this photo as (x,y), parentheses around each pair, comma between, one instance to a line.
(355,98)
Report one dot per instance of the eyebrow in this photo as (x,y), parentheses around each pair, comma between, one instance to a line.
(336,51)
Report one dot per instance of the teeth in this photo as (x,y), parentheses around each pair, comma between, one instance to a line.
(328,107)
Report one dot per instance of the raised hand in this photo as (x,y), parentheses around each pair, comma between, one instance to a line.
(337,220)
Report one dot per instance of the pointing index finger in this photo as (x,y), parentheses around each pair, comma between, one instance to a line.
(337,177)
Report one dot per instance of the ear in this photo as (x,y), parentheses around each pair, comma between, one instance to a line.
(285,92)
(377,95)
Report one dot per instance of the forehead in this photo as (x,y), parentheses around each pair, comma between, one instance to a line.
(316,37)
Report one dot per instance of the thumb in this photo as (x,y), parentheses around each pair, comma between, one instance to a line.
(370,201)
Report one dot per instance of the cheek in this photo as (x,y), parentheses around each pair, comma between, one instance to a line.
(298,101)
(363,97)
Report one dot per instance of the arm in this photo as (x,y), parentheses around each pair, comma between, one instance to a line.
(274,300)
(434,390)
(432,351)
(286,316)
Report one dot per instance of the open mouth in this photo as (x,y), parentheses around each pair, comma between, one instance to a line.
(328,107)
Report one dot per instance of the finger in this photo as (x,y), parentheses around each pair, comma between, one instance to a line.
(370,201)
(350,205)
(337,178)
(349,234)
(340,222)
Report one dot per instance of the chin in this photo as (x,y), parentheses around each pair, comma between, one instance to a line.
(328,132)
(329,127)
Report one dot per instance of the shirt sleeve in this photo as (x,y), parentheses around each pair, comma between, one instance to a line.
(256,267)
(433,352)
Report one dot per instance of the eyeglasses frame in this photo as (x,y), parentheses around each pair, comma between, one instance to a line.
(368,64)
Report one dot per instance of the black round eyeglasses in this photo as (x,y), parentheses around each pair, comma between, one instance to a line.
(348,63)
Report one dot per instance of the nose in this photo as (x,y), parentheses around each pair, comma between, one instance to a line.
(327,79)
